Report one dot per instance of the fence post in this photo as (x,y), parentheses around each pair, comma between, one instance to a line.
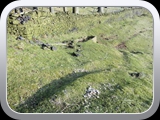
(35,8)
(65,9)
(51,9)
(19,10)
(101,9)
(76,10)
(16,10)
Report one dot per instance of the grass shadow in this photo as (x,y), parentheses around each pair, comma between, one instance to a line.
(55,87)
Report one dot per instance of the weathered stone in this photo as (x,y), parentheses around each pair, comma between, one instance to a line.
(90,92)
(53,48)
(20,38)
(94,39)
(75,54)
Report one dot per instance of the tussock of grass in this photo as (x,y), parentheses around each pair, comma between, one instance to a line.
(45,81)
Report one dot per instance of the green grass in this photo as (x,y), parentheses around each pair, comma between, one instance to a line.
(37,79)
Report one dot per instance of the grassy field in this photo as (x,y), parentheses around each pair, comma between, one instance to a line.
(119,65)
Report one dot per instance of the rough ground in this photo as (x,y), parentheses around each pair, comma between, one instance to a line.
(41,79)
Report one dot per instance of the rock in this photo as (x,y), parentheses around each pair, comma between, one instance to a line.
(134,74)
(44,46)
(78,50)
(53,48)
(23,18)
(84,95)
(97,92)
(75,54)
(20,38)
(90,92)
(93,38)
(74,29)
(89,88)
(70,46)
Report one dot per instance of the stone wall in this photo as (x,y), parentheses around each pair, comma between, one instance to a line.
(39,24)
(42,23)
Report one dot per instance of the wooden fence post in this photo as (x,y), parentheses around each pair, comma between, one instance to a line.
(76,10)
(51,9)
(65,9)
(101,9)
(19,10)
(16,10)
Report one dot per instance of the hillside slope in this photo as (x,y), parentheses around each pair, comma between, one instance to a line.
(55,80)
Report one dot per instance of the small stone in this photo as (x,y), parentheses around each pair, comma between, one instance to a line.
(89,88)
(44,46)
(91,92)
(89,95)
(20,38)
(84,96)
(75,54)
(53,48)
(86,111)
(97,92)
(78,50)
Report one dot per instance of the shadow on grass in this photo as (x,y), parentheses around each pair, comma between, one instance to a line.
(32,104)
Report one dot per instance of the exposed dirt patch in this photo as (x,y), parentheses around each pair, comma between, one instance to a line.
(136,34)
(121,46)
(109,37)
